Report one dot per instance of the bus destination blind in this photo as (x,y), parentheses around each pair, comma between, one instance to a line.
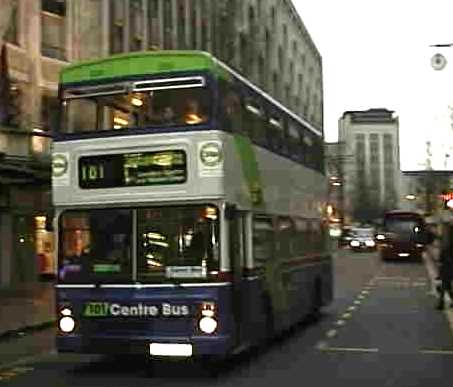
(133,169)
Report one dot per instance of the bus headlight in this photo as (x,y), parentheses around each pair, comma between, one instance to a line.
(370,243)
(67,324)
(380,237)
(355,243)
(207,325)
(211,154)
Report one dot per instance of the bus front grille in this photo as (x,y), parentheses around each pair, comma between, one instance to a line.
(145,327)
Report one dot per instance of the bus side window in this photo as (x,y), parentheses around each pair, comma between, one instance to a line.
(254,122)
(231,108)
(284,237)
(308,149)
(276,134)
(294,141)
(300,234)
(263,240)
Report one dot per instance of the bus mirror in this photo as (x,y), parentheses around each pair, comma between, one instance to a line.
(230,211)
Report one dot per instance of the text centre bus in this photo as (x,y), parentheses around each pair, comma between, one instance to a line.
(190,209)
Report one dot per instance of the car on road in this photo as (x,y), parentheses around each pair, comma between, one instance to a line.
(362,239)
(346,236)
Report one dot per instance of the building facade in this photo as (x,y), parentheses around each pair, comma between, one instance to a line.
(265,40)
(372,178)
(335,161)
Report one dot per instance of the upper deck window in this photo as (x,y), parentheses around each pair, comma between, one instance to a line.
(152,103)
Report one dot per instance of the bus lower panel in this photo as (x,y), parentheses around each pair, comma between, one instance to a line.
(215,345)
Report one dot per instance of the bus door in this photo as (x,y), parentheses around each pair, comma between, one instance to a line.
(237,246)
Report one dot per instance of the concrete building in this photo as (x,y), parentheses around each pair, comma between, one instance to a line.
(265,40)
(372,179)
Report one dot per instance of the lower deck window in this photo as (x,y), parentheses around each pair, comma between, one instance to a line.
(170,243)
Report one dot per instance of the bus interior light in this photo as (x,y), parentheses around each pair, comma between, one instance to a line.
(120,121)
(136,101)
(193,119)
(210,213)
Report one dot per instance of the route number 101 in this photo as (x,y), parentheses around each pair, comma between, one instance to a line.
(92,172)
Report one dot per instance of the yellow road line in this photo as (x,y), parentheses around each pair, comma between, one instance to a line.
(340,323)
(352,308)
(346,349)
(346,315)
(357,302)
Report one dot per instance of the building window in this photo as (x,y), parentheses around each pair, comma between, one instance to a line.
(262,73)
(168,25)
(194,27)
(153,24)
(49,112)
(53,28)
(275,85)
(136,25)
(10,101)
(181,24)
(116,26)
(244,56)
(273,18)
(11,34)
(204,26)
(285,37)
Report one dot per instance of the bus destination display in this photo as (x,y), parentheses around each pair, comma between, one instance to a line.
(133,169)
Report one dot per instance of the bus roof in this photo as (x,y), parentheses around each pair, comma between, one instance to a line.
(138,63)
(160,62)
(401,214)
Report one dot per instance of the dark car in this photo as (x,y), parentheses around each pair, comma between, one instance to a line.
(362,239)
(346,237)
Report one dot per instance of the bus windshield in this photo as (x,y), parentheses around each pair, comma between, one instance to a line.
(95,245)
(118,109)
(177,242)
(170,243)
(403,226)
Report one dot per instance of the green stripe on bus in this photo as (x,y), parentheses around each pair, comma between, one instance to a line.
(140,63)
(250,169)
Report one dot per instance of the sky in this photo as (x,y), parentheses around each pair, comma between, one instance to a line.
(376,53)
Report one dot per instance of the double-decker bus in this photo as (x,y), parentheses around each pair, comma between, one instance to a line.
(403,235)
(189,209)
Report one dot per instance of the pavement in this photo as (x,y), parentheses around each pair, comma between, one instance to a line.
(32,306)
(26,307)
